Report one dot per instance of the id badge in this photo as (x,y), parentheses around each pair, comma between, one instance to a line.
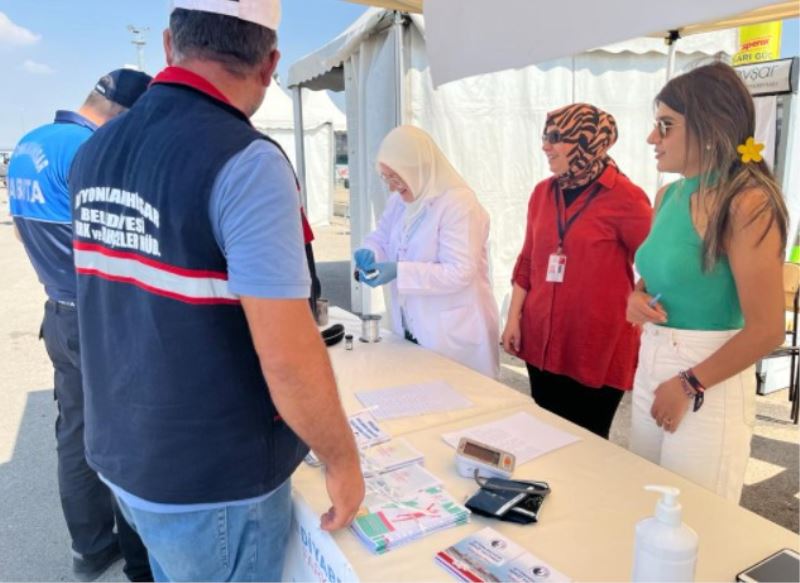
(556,268)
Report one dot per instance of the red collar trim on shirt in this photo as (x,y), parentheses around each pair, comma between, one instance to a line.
(181,76)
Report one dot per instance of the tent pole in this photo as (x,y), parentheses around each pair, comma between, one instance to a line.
(671,38)
(399,20)
(299,144)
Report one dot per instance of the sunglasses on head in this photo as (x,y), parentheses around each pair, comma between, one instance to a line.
(663,126)
(551,137)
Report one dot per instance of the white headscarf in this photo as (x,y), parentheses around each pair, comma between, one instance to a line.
(416,158)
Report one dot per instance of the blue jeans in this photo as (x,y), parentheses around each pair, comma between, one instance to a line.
(245,542)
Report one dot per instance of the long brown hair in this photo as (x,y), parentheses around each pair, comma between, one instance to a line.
(720,116)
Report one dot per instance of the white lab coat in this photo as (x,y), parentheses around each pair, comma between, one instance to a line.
(442,283)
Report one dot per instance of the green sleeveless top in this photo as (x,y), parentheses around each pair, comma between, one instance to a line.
(670,262)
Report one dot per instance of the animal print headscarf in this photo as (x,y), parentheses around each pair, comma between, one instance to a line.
(591,132)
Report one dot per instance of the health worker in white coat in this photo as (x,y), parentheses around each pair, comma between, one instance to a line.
(430,246)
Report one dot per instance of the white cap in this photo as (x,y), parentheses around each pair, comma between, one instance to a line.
(267,13)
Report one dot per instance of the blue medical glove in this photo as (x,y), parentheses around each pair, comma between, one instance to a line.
(365,259)
(386,273)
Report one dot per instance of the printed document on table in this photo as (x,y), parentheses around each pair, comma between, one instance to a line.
(487,555)
(411,400)
(521,434)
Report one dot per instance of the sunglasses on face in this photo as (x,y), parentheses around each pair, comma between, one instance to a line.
(551,137)
(663,127)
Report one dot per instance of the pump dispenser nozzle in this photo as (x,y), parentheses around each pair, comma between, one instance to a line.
(665,548)
(668,510)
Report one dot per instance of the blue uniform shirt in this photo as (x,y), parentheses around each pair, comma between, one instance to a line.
(39,199)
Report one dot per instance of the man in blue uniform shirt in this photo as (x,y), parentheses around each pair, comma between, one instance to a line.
(40,205)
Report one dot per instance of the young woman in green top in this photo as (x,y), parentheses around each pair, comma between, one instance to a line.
(710,300)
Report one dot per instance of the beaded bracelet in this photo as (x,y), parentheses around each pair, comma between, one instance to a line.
(693,380)
(692,387)
(686,385)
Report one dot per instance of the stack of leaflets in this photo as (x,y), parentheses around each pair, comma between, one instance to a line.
(401,483)
(489,556)
(366,431)
(403,506)
(390,456)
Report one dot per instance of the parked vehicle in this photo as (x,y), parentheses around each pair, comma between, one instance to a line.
(4,158)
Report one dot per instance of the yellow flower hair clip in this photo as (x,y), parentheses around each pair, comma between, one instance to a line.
(750,151)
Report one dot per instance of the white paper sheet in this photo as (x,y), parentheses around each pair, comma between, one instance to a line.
(521,434)
(411,400)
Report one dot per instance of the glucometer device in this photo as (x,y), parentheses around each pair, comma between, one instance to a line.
(488,461)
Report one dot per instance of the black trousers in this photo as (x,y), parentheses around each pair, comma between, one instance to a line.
(88,505)
(588,407)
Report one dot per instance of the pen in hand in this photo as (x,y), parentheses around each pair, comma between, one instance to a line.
(654,300)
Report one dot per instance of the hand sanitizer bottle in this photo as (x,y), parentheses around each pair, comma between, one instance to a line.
(665,548)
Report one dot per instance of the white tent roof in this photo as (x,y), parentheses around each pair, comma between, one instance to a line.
(334,53)
(319,108)
(331,56)
(277,111)
(518,33)
(770,11)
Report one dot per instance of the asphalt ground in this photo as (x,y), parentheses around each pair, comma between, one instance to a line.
(34,544)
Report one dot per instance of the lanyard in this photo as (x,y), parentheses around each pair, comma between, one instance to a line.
(563,226)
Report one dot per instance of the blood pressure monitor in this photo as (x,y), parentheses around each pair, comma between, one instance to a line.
(490,461)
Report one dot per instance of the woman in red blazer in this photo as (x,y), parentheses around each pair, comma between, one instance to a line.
(575,272)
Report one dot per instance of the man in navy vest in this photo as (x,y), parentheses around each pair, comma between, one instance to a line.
(40,204)
(206,378)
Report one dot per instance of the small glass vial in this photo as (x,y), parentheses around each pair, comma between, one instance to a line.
(348,342)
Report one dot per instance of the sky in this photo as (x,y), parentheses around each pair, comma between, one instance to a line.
(53,51)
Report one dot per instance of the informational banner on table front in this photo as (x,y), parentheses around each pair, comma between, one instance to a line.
(759,42)
(312,554)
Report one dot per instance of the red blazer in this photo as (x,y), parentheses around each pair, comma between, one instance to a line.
(578,328)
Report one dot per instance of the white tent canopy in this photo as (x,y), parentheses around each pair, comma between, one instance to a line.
(321,118)
(517,33)
(489,126)
(319,108)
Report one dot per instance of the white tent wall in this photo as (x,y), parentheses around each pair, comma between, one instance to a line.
(490,125)
(319,144)
(791,178)
(275,118)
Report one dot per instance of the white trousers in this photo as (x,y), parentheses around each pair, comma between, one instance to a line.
(710,447)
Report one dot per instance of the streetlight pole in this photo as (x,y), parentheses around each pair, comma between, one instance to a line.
(139,42)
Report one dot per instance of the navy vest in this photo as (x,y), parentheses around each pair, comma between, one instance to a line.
(177,409)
